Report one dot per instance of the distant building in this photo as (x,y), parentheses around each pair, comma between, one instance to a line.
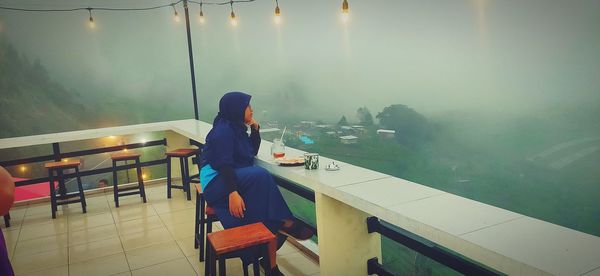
(323,127)
(386,133)
(359,129)
(331,133)
(307,124)
(349,139)
(346,127)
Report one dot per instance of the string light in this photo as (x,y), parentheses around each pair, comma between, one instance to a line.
(23,168)
(345,11)
(232,18)
(175,14)
(92,24)
(277,17)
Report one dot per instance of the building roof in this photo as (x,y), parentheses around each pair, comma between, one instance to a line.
(348,137)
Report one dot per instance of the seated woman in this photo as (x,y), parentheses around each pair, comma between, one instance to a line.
(240,192)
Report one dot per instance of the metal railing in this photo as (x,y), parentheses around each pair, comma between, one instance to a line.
(57,156)
(429,249)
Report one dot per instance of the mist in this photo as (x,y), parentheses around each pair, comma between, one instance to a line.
(435,56)
(502,84)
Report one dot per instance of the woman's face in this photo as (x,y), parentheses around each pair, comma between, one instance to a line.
(248,114)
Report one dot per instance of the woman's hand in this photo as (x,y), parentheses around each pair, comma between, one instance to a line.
(236,205)
(253,124)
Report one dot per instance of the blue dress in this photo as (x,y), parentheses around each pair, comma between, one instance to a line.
(228,165)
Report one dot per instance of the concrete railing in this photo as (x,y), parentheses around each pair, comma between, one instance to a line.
(503,240)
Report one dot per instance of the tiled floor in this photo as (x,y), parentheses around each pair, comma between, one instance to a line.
(155,238)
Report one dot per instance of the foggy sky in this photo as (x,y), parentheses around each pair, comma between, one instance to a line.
(434,56)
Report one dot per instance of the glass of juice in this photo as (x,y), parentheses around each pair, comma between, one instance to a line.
(278,149)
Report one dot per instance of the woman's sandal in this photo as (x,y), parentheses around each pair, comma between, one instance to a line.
(299,230)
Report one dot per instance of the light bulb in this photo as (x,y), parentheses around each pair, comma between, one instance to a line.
(345,6)
(91,20)
(277,18)
(345,11)
(201,18)
(232,19)
(92,23)
(177,19)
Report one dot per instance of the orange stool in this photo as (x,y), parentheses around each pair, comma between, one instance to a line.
(205,215)
(123,157)
(63,197)
(228,243)
(183,155)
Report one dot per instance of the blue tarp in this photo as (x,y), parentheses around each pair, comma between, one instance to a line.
(306,140)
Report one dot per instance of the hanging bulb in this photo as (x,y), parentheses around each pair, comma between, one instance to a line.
(345,11)
(345,6)
(201,18)
(277,18)
(91,23)
(175,14)
(232,19)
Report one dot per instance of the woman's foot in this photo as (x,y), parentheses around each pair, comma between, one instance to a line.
(274,270)
(297,229)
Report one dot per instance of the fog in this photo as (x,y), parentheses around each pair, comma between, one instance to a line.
(505,84)
(435,56)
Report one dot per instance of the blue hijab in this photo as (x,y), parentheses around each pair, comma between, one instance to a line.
(228,144)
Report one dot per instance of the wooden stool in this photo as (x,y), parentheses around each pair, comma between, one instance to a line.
(205,215)
(63,198)
(183,155)
(228,243)
(125,156)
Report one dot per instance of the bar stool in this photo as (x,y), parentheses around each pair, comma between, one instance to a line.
(183,155)
(230,242)
(64,197)
(122,157)
(205,216)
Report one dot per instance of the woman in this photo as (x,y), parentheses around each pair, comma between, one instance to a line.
(7,191)
(240,192)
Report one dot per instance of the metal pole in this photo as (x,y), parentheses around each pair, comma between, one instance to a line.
(191,55)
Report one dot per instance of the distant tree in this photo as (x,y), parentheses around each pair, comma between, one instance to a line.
(364,116)
(343,121)
(411,127)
